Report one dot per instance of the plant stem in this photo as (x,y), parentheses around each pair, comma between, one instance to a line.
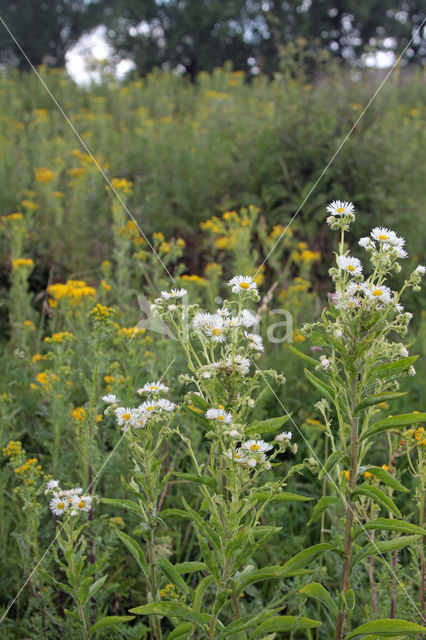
(340,623)
(393,588)
(371,574)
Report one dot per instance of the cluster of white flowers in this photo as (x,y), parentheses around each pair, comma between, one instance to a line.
(342,214)
(251,454)
(137,417)
(63,500)
(220,415)
(216,326)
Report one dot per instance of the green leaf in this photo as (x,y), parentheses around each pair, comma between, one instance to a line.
(199,417)
(305,557)
(283,496)
(203,526)
(386,628)
(266,426)
(181,631)
(189,477)
(266,573)
(209,559)
(190,567)
(382,546)
(392,368)
(323,504)
(331,462)
(390,524)
(303,356)
(174,513)
(123,504)
(199,402)
(136,551)
(387,478)
(94,588)
(108,621)
(376,399)
(320,593)
(403,420)
(171,609)
(246,622)
(285,623)
(172,575)
(324,388)
(200,592)
(378,496)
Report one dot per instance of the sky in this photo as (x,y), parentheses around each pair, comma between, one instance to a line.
(92,49)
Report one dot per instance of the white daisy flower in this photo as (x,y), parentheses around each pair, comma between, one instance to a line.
(215,329)
(232,322)
(125,417)
(241,364)
(82,503)
(58,506)
(255,341)
(148,407)
(174,293)
(420,269)
(381,234)
(153,387)
(397,250)
(239,284)
(202,320)
(165,405)
(52,484)
(351,265)
(255,446)
(110,398)
(285,435)
(220,415)
(237,456)
(223,312)
(340,208)
(247,318)
(380,293)
(366,243)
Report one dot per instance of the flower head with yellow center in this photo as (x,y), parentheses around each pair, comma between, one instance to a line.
(219,415)
(241,284)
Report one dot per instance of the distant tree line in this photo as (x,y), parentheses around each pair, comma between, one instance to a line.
(197,35)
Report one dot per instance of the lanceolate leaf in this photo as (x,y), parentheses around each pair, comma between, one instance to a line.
(305,557)
(391,423)
(189,477)
(266,426)
(324,388)
(376,399)
(387,478)
(285,623)
(383,546)
(171,573)
(283,496)
(171,609)
(135,550)
(392,368)
(379,497)
(320,593)
(108,621)
(331,462)
(246,622)
(386,628)
(123,504)
(390,524)
(310,361)
(323,504)
(189,567)
(181,632)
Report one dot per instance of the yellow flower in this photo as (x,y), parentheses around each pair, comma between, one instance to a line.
(29,325)
(58,194)
(298,336)
(28,204)
(13,448)
(59,337)
(164,247)
(44,175)
(22,262)
(76,172)
(78,413)
(120,184)
(105,285)
(367,474)
(385,467)
(345,474)
(194,278)
(180,242)
(157,235)
(100,312)
(99,417)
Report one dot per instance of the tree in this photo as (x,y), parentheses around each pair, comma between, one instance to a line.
(45,29)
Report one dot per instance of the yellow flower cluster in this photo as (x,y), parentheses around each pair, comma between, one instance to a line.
(168,591)
(12,217)
(13,448)
(37,357)
(121,184)
(298,336)
(419,436)
(58,338)
(278,230)
(194,278)
(78,413)
(22,262)
(45,379)
(129,332)
(73,290)
(117,521)
(100,312)
(105,286)
(76,172)
(30,464)
(304,254)
(29,325)
(28,204)
(44,175)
